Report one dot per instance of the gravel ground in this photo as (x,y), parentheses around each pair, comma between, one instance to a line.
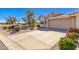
(8,34)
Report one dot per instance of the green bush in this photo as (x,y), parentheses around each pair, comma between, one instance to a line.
(10,27)
(67,44)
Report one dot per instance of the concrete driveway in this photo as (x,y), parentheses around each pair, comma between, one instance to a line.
(33,40)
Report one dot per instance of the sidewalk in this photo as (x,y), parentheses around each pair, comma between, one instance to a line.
(2,46)
(9,44)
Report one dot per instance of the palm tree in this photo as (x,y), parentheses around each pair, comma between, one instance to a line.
(30,15)
(29,19)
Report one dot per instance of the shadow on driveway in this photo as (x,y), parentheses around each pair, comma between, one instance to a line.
(54,29)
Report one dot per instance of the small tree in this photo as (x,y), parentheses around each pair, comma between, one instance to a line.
(11,20)
(34,23)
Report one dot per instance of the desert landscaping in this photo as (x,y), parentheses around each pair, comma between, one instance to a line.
(57,31)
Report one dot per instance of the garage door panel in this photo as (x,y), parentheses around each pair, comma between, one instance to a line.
(59,23)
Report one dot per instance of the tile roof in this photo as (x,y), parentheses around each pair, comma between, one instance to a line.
(67,15)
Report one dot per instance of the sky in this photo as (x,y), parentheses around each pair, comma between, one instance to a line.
(20,12)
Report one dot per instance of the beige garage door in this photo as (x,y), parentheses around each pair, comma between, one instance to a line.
(59,23)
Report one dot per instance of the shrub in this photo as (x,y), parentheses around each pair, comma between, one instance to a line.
(4,27)
(16,28)
(11,27)
(67,44)
(73,30)
(72,36)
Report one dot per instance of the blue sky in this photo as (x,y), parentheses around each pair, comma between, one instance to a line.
(20,12)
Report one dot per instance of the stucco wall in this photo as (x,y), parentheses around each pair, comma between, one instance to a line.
(77,21)
(73,22)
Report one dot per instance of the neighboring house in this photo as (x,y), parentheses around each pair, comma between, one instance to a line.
(65,21)
(42,21)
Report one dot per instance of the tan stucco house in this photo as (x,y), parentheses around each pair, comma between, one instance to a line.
(42,21)
(63,21)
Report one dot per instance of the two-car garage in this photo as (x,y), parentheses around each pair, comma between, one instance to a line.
(62,23)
